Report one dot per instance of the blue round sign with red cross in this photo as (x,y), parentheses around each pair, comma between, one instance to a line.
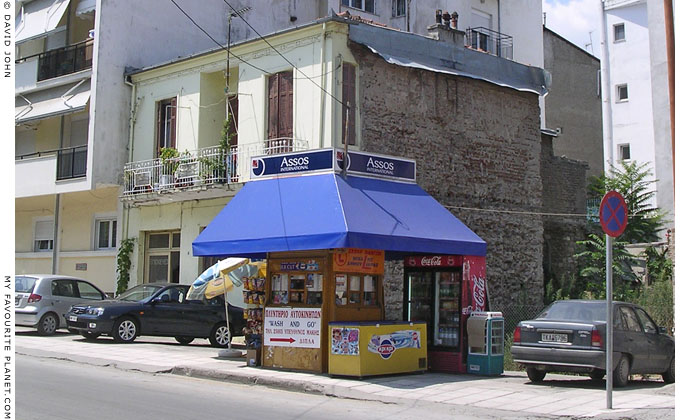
(613,214)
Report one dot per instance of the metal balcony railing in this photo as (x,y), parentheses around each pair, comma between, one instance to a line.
(71,162)
(206,166)
(65,60)
(493,42)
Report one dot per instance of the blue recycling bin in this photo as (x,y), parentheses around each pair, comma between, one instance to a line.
(485,338)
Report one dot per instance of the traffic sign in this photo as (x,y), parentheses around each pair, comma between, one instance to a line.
(613,214)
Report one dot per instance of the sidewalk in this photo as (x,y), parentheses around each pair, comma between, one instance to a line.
(558,395)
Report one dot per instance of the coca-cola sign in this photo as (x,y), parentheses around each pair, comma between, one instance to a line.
(429,261)
(478,292)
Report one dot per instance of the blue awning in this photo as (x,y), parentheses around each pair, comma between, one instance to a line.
(328,211)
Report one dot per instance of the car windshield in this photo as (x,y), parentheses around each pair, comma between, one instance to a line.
(139,293)
(24,284)
(565,310)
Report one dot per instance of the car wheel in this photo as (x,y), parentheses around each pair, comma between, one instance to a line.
(220,336)
(670,375)
(48,324)
(535,375)
(621,372)
(597,375)
(125,330)
(184,340)
(91,336)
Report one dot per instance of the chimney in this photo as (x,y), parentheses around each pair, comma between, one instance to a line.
(454,20)
(446,19)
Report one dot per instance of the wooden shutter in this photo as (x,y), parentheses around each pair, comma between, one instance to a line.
(173,122)
(273,106)
(285,104)
(349,95)
(234,107)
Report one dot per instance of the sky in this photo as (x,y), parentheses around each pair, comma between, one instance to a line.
(574,20)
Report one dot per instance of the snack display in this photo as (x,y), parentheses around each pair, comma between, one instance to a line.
(255,298)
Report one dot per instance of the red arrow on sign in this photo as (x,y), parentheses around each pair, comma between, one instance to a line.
(283,340)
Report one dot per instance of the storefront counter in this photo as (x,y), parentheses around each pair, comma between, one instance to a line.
(376,348)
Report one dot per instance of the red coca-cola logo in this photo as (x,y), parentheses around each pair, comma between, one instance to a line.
(479,291)
(431,261)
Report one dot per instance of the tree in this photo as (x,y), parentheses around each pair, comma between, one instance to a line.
(633,182)
(592,276)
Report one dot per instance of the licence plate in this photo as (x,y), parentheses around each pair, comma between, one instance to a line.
(554,338)
(72,318)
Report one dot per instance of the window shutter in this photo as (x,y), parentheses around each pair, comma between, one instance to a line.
(44,230)
(349,95)
(173,122)
(285,105)
(273,106)
(234,107)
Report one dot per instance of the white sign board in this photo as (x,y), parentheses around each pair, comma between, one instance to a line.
(292,327)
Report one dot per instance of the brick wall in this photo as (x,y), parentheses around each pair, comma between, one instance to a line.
(477,146)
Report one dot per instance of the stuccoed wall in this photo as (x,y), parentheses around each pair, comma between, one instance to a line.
(477,146)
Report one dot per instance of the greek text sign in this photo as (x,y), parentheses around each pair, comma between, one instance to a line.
(355,260)
(292,327)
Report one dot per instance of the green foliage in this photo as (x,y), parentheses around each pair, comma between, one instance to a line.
(657,300)
(659,266)
(592,276)
(632,181)
(168,156)
(225,135)
(124,263)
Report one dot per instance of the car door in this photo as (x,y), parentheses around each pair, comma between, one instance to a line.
(166,312)
(64,294)
(202,316)
(634,340)
(87,292)
(657,344)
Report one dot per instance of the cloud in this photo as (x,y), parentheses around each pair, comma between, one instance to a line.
(573,20)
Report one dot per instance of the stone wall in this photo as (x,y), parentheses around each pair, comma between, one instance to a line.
(478,149)
(565,200)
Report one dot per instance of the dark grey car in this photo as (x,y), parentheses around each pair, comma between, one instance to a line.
(570,336)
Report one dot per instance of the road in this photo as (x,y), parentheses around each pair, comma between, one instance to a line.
(56,390)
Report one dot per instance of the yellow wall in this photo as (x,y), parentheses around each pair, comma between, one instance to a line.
(33,265)
(212,113)
(48,134)
(78,216)
(26,211)
(187,217)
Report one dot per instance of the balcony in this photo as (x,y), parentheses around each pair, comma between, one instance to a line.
(54,63)
(71,162)
(201,168)
(38,173)
(489,41)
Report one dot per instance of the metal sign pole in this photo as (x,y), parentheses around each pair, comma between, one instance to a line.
(609,322)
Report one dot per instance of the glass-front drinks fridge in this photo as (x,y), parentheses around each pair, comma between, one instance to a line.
(442,290)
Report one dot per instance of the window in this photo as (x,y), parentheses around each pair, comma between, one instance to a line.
(399,7)
(163,257)
(356,290)
(366,5)
(173,295)
(630,321)
(349,97)
(64,288)
(622,93)
(623,152)
(297,288)
(106,233)
(619,32)
(43,235)
(87,291)
(166,125)
(280,112)
(647,323)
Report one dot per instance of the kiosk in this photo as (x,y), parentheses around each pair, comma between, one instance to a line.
(325,235)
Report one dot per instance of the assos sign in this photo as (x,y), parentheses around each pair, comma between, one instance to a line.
(378,165)
(291,163)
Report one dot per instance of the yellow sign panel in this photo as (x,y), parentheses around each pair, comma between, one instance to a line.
(356,260)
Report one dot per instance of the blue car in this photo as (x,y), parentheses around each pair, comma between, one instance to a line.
(157,309)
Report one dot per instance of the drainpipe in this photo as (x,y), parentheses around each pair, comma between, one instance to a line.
(130,145)
(56,218)
(323,79)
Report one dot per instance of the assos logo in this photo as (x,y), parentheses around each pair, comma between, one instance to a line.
(258,166)
(380,165)
(385,349)
(297,161)
(339,156)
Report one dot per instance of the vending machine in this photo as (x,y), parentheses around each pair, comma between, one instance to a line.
(442,290)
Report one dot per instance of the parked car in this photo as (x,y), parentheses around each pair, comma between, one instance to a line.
(159,309)
(570,336)
(42,300)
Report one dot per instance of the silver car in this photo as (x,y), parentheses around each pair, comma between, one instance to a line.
(42,300)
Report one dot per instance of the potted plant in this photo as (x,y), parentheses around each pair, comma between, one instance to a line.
(170,163)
